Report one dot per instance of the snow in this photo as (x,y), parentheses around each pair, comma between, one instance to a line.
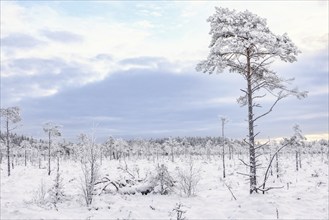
(306,197)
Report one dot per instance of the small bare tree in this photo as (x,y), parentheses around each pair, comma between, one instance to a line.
(89,154)
(52,131)
(224,121)
(179,211)
(189,178)
(11,116)
(26,145)
(57,190)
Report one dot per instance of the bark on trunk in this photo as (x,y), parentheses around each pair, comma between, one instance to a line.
(271,170)
(277,164)
(39,157)
(296,160)
(25,157)
(49,144)
(223,148)
(8,147)
(252,158)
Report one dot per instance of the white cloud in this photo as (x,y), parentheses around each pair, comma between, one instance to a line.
(305,116)
(227,100)
(145,24)
(182,38)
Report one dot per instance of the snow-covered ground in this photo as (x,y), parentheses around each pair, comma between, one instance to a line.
(304,194)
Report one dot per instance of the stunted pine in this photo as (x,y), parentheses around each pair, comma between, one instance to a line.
(298,142)
(242,43)
(52,131)
(10,117)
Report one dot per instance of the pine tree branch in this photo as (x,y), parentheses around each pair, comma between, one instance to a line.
(230,191)
(262,145)
(270,110)
(244,163)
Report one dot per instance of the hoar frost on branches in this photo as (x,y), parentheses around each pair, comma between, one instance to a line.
(298,142)
(9,116)
(51,130)
(242,42)
(89,153)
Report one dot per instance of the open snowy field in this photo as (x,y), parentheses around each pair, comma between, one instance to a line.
(304,194)
(164,109)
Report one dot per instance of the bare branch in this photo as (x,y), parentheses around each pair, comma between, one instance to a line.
(13,128)
(244,91)
(269,188)
(256,133)
(244,140)
(244,163)
(262,145)
(249,175)
(230,190)
(258,155)
(259,96)
(270,164)
(276,101)
(261,64)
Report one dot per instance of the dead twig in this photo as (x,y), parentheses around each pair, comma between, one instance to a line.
(230,190)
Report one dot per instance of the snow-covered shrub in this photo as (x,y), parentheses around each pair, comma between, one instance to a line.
(178,211)
(41,196)
(89,153)
(315,173)
(56,192)
(188,179)
(130,175)
(160,182)
(163,181)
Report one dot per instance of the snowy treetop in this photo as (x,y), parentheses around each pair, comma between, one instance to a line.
(235,33)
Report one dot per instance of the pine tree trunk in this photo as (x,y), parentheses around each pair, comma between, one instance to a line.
(12,160)
(8,147)
(252,158)
(39,157)
(296,160)
(230,152)
(277,164)
(25,157)
(223,162)
(12,163)
(300,160)
(223,149)
(49,144)
(57,164)
(271,170)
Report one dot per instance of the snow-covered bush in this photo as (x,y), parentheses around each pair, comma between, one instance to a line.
(56,192)
(89,153)
(188,179)
(178,211)
(163,181)
(40,194)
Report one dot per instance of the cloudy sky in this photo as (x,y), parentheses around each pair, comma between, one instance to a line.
(127,69)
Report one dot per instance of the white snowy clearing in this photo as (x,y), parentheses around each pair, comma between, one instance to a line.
(304,193)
